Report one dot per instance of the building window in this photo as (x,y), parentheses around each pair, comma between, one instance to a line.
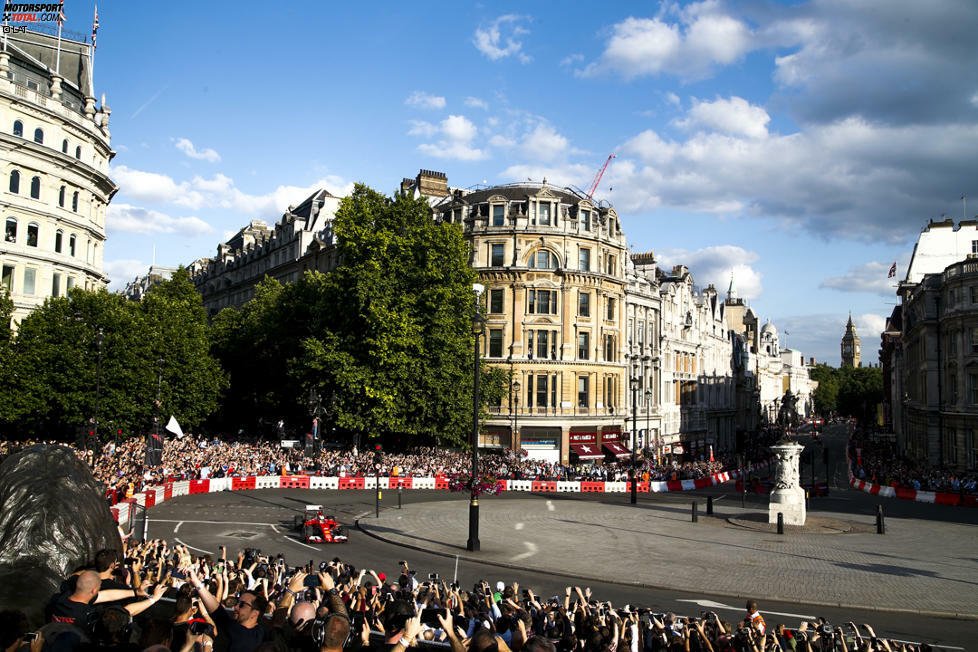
(61,197)
(58,240)
(974,246)
(950,446)
(14,181)
(39,136)
(32,233)
(30,278)
(64,146)
(18,128)
(582,391)
(56,285)
(544,213)
(10,230)
(35,187)
(584,260)
(974,340)
(542,302)
(583,346)
(71,245)
(543,259)
(611,309)
(542,391)
(971,452)
(498,215)
(953,386)
(584,304)
(71,283)
(78,152)
(610,265)
(496,300)
(495,342)
(8,278)
(74,201)
(609,348)
(586,220)
(973,389)
(498,252)
(543,345)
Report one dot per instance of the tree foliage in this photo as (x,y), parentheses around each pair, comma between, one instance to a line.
(50,381)
(848,391)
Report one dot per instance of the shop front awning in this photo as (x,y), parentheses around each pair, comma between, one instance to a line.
(587,451)
(616,449)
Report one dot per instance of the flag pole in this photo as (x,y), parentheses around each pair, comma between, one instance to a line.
(91,56)
(61,20)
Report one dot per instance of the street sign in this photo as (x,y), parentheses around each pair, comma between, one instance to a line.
(666,448)
(678,449)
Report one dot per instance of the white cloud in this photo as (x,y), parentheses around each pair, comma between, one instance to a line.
(734,116)
(699,37)
(869,327)
(544,144)
(457,133)
(715,265)
(423,100)
(673,99)
(126,218)
(476,103)
(122,271)
(871,277)
(188,148)
(562,174)
(146,186)
(492,42)
(571,59)
(422,128)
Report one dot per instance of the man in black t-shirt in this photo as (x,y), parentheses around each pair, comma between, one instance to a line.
(76,608)
(243,629)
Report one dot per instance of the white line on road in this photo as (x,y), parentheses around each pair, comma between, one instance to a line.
(306,545)
(550,506)
(710,604)
(531,549)
(162,520)
(177,528)
(518,526)
(206,552)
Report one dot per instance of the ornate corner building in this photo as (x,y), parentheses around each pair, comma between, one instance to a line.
(55,146)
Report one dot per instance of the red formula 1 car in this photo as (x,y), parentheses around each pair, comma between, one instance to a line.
(314,527)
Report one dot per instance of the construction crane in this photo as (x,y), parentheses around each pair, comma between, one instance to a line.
(597,177)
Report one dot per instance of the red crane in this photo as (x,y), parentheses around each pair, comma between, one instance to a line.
(597,178)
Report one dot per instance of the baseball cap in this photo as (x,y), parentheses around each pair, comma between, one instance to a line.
(382,577)
(500,586)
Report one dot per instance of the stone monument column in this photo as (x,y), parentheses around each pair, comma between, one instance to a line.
(787,498)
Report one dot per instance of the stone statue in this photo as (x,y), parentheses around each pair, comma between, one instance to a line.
(787,498)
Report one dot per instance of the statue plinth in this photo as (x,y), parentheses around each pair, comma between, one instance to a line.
(787,497)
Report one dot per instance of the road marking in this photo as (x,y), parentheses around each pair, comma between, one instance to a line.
(300,543)
(531,549)
(162,520)
(206,552)
(518,526)
(274,529)
(710,604)
(550,506)
(177,528)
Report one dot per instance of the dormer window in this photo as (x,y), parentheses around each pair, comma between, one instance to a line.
(544,213)
(585,220)
(543,259)
(498,214)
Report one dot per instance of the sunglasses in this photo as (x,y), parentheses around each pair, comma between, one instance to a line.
(242,603)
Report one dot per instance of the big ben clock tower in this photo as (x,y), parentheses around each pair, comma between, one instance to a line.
(851,352)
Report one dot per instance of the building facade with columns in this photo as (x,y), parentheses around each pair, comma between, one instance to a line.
(55,145)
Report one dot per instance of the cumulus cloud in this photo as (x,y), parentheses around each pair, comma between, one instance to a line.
(819,335)
(423,100)
(476,103)
(689,42)
(544,144)
(500,38)
(715,265)
(123,270)
(187,147)
(733,116)
(457,133)
(871,277)
(851,178)
(126,218)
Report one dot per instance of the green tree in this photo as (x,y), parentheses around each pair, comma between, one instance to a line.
(826,394)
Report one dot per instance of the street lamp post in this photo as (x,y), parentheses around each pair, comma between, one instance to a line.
(99,340)
(631,473)
(516,412)
(648,416)
(159,392)
(478,325)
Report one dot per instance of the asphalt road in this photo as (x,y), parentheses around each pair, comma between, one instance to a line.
(263,518)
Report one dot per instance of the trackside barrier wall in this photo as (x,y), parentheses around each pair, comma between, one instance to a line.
(199,487)
(324,483)
(220,484)
(939,498)
(149,499)
(294,482)
(545,485)
(267,482)
(519,485)
(424,483)
(181,488)
(568,487)
(614,487)
(238,484)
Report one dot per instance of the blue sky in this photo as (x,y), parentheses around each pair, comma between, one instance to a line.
(800,146)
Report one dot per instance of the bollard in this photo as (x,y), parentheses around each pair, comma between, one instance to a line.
(695,515)
(398,495)
(743,496)
(709,505)
(880,525)
(780,523)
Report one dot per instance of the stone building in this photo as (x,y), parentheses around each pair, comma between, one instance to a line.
(933,362)
(55,148)
(137,288)
(851,348)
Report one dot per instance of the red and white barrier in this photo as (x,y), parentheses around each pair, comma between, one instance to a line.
(155,495)
(938,498)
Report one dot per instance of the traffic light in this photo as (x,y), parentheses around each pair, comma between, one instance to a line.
(378,455)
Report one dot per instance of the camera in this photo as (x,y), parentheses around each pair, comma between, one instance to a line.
(433,577)
(201,627)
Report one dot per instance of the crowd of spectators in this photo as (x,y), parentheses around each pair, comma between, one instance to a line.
(156,597)
(878,461)
(121,465)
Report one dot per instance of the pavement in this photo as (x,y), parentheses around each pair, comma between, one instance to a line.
(923,566)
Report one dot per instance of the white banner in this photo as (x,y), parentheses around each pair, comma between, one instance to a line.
(174,427)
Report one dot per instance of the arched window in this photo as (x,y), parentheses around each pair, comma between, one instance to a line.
(64,145)
(14,181)
(78,152)
(543,259)
(58,240)
(32,234)
(36,187)
(61,197)
(18,128)
(39,136)
(10,230)
(71,245)
(74,201)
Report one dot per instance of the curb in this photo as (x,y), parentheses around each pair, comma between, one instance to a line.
(646,585)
